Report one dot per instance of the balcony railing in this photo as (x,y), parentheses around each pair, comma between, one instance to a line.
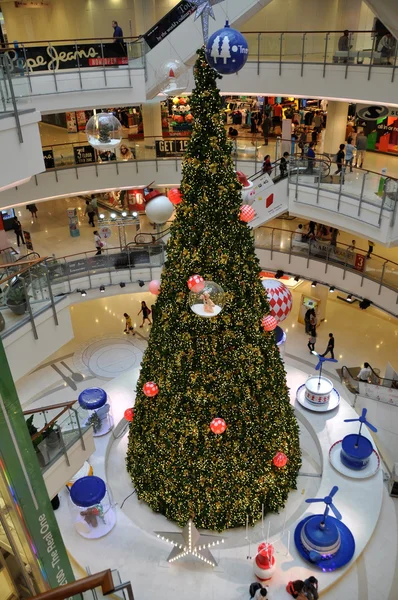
(55,429)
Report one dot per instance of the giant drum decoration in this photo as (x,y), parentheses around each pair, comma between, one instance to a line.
(279,297)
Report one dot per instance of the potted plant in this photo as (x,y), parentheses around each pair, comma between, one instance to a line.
(16,299)
(52,435)
(37,441)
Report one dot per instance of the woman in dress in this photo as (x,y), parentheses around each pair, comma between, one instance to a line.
(145,313)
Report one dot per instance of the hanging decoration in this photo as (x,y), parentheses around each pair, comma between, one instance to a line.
(150,389)
(154,287)
(227,50)
(247,213)
(174,77)
(269,323)
(280,460)
(279,297)
(174,196)
(104,131)
(205,10)
(158,207)
(207,302)
(218,426)
(129,414)
(196,283)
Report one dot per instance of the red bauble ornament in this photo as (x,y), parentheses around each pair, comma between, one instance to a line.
(279,460)
(150,389)
(247,213)
(196,283)
(218,425)
(174,196)
(129,414)
(269,323)
(279,297)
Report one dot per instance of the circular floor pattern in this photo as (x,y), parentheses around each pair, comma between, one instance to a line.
(107,357)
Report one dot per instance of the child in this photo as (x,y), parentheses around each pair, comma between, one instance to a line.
(129,325)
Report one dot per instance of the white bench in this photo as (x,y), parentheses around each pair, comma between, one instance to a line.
(340,56)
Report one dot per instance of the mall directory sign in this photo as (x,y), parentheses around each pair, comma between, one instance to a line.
(20,469)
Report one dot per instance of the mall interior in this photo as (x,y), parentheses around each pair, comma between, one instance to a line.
(109,213)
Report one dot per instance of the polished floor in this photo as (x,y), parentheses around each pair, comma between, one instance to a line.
(108,358)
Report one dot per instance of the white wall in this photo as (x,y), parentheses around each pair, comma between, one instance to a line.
(19,161)
(24,353)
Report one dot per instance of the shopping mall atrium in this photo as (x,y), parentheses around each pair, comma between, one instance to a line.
(199,299)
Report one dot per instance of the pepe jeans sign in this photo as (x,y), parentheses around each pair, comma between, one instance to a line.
(54,58)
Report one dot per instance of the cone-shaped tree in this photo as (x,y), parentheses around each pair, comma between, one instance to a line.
(226,366)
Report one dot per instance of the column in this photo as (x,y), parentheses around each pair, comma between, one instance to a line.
(152,121)
(4,243)
(335,127)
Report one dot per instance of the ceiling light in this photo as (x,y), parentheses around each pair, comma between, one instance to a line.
(349,298)
(124,214)
(122,284)
(113,215)
(102,216)
(83,293)
(102,289)
(141,283)
(135,214)
(331,289)
(297,278)
(313,284)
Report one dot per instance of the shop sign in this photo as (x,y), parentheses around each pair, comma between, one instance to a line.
(174,17)
(84,154)
(340,255)
(167,148)
(55,58)
(373,112)
(31,3)
(48,156)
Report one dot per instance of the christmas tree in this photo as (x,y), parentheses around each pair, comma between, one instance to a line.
(226,366)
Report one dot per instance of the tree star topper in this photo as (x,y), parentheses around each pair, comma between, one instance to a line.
(204,9)
(190,541)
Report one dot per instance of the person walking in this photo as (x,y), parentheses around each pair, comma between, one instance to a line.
(365,372)
(90,212)
(145,313)
(330,346)
(370,248)
(349,153)
(334,232)
(344,44)
(17,227)
(118,39)
(310,158)
(312,341)
(340,159)
(98,242)
(362,144)
(94,203)
(129,325)
(266,126)
(283,165)
(33,210)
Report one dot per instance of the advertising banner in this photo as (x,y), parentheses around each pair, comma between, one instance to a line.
(48,156)
(21,470)
(84,154)
(174,17)
(170,148)
(266,203)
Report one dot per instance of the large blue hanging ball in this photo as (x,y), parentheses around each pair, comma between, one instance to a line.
(227,50)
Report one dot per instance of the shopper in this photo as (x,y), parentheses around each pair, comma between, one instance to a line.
(90,212)
(125,153)
(145,313)
(349,153)
(33,210)
(118,39)
(254,587)
(310,589)
(386,47)
(370,248)
(362,144)
(298,234)
(302,141)
(310,158)
(313,320)
(351,247)
(17,227)
(283,165)
(266,126)
(261,593)
(295,589)
(98,242)
(344,45)
(312,341)
(129,324)
(311,229)
(318,121)
(333,236)
(365,372)
(330,346)
(340,159)
(94,203)
(267,165)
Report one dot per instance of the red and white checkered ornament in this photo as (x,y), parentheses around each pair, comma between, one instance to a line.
(150,389)
(269,323)
(247,213)
(218,425)
(279,297)
(196,283)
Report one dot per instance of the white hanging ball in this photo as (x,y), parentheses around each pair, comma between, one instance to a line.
(159,210)
(104,131)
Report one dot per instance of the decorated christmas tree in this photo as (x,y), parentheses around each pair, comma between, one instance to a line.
(225,367)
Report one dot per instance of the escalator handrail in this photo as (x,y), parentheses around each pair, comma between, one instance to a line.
(102,579)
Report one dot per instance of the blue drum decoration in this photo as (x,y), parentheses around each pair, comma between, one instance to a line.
(91,507)
(95,402)
(227,50)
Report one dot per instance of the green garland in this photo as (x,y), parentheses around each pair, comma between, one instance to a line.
(225,366)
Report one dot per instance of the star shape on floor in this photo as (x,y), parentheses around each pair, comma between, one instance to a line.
(190,541)
(204,9)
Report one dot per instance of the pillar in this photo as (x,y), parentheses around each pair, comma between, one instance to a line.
(335,127)
(4,243)
(152,121)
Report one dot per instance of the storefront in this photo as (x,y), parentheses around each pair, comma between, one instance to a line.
(380,125)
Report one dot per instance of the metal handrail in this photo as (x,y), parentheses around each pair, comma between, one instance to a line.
(102,579)
(65,407)
(73,41)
